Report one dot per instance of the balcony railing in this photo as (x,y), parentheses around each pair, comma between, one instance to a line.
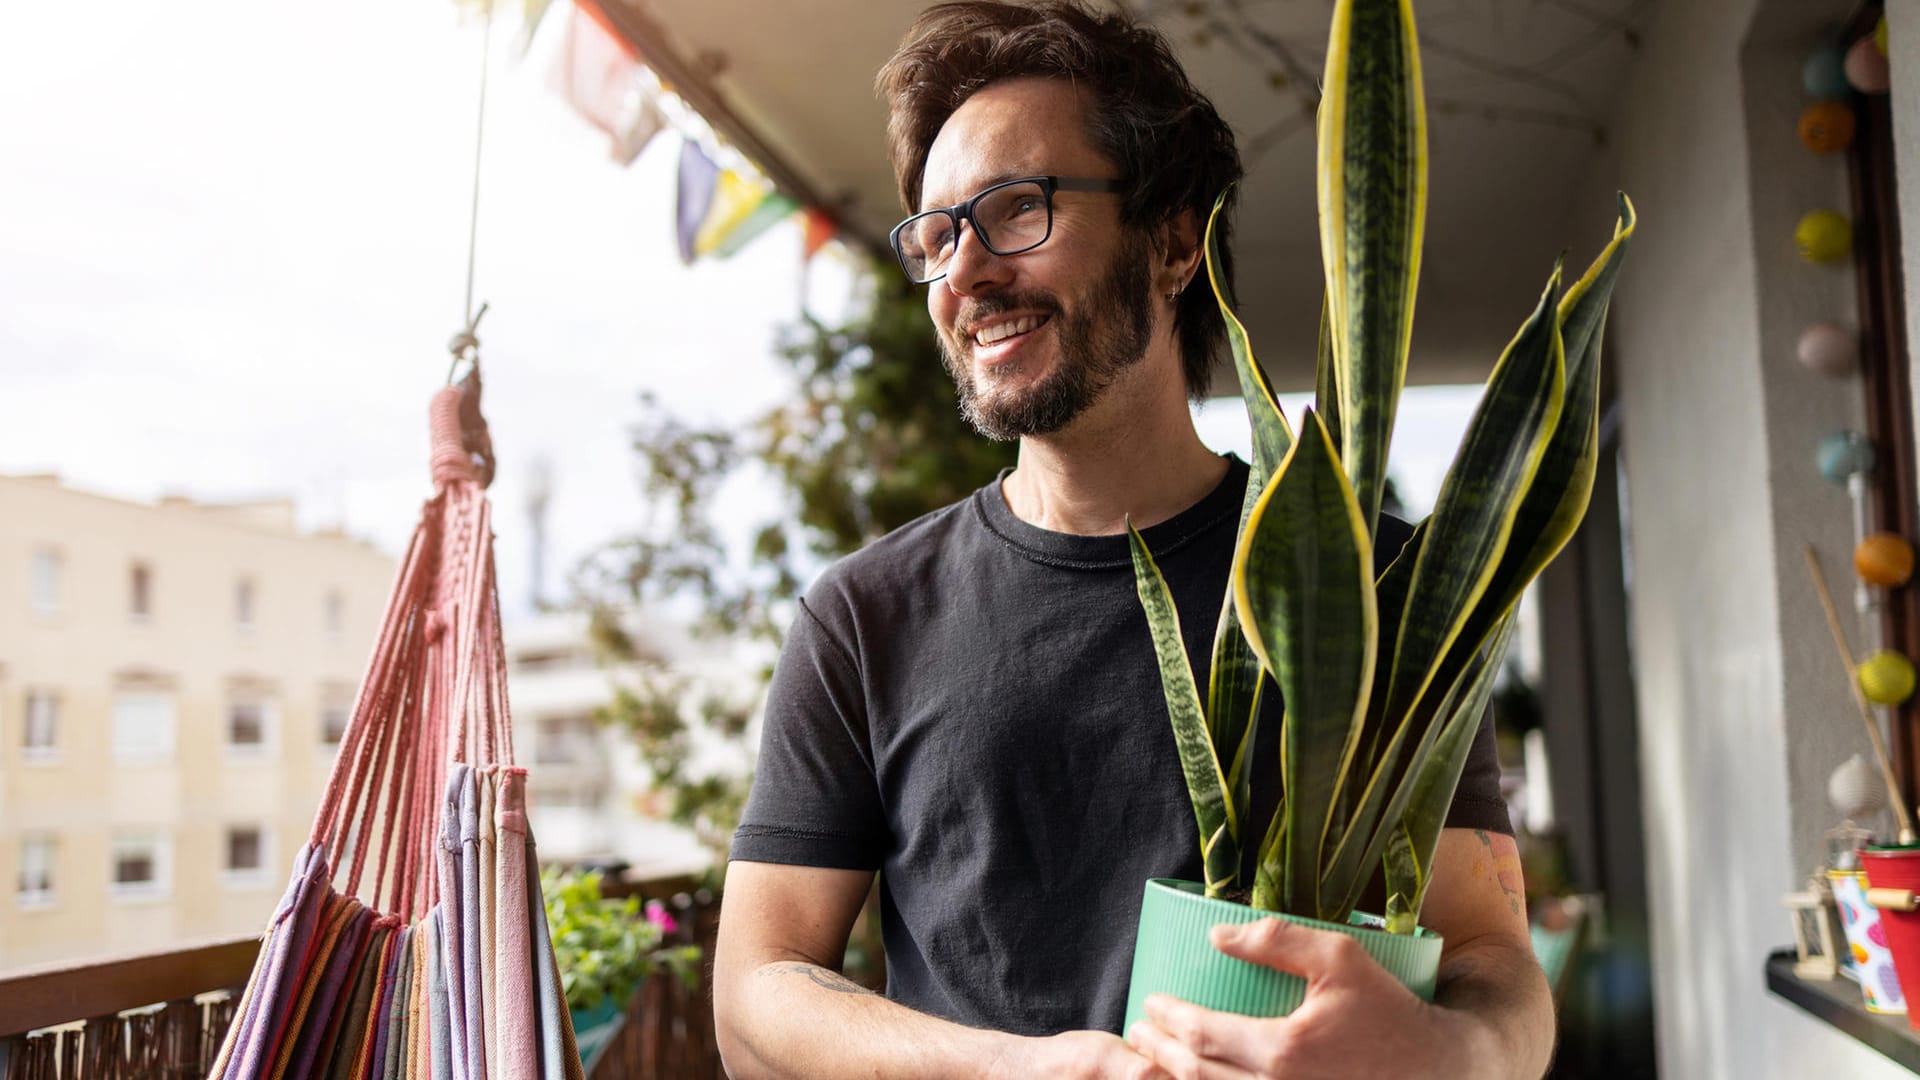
(163,1015)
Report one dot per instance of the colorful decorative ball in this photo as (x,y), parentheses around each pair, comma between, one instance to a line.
(1886,678)
(1884,559)
(1867,69)
(1824,75)
(1824,236)
(1842,454)
(1826,127)
(1829,349)
(1880,35)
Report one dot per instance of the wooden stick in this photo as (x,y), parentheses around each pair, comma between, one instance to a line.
(1860,698)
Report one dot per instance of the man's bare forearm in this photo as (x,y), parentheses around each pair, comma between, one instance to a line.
(1502,988)
(793,1019)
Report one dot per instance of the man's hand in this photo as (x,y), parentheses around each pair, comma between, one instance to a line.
(1072,1055)
(1357,1021)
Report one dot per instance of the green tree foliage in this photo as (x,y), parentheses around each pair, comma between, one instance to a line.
(870,439)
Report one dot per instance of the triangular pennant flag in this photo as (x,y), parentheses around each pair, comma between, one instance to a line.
(646,122)
(597,73)
(819,229)
(734,197)
(770,211)
(698,178)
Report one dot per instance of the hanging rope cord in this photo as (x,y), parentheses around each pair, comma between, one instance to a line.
(435,690)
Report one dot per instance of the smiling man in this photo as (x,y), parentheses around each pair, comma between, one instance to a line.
(970,706)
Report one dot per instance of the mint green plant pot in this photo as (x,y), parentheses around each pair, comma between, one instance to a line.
(1172,955)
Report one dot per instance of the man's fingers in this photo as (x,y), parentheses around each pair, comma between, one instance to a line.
(1298,950)
(1189,1041)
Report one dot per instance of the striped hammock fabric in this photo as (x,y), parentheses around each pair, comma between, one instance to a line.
(437,965)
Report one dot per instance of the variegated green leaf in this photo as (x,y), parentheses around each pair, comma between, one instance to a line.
(1390,601)
(1271,438)
(1460,548)
(1206,787)
(1234,682)
(1267,869)
(1415,835)
(1474,513)
(1557,499)
(1326,378)
(1373,196)
(1303,582)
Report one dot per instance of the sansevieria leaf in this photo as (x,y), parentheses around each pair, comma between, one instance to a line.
(1206,786)
(1461,544)
(1556,500)
(1415,836)
(1303,582)
(1326,377)
(1234,684)
(1372,155)
(1271,439)
(1482,493)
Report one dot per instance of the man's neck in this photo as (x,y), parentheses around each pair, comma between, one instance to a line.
(1116,463)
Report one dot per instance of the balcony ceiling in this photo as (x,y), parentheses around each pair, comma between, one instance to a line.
(1519,92)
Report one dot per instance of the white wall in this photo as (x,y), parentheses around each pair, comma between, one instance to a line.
(1741,715)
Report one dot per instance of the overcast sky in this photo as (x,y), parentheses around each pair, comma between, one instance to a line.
(233,242)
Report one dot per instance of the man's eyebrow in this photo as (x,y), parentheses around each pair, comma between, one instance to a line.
(1000,177)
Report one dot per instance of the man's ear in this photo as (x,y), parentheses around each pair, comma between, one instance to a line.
(1180,252)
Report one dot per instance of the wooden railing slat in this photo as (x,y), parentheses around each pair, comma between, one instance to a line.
(43,998)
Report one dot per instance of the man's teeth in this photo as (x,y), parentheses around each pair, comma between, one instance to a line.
(1001,331)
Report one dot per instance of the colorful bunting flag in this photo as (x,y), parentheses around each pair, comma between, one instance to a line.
(599,73)
(820,228)
(699,177)
(742,209)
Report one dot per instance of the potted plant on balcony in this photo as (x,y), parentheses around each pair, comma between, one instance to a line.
(1384,680)
(605,950)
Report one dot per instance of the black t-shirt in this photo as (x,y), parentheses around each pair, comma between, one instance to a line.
(971,706)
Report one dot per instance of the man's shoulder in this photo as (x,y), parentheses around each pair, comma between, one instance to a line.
(910,557)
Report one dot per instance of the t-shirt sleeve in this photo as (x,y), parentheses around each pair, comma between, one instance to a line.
(814,801)
(1477,802)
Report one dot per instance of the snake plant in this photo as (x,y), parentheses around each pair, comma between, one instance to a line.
(1383,680)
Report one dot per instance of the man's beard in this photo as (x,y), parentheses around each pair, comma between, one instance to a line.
(1108,333)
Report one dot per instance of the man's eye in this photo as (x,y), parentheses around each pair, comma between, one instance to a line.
(1026,205)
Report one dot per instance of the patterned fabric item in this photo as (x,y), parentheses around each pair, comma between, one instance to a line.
(411,942)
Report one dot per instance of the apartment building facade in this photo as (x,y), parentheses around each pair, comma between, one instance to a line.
(174,680)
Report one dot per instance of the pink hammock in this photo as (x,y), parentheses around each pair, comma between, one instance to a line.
(442,967)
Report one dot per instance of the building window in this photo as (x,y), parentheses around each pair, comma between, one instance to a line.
(333,724)
(46,582)
(142,864)
(40,738)
(140,592)
(142,726)
(243,604)
(336,611)
(567,739)
(248,854)
(35,886)
(248,725)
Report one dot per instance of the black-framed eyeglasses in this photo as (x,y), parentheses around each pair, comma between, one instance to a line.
(1010,217)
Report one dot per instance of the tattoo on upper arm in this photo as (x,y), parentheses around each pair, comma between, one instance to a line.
(1502,859)
(821,977)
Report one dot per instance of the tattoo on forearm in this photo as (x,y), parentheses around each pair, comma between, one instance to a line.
(1502,858)
(821,977)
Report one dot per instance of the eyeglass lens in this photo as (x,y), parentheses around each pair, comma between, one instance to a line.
(1009,219)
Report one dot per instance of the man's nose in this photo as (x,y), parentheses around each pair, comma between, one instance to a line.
(973,269)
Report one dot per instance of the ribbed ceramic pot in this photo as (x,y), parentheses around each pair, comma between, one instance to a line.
(1172,955)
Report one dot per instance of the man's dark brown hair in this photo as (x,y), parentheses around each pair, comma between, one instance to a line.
(1173,151)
